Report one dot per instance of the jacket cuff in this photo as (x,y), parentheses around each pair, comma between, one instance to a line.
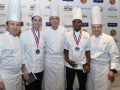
(113,70)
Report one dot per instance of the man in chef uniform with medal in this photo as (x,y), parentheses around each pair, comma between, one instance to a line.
(32,42)
(77,52)
(104,56)
(54,46)
(10,50)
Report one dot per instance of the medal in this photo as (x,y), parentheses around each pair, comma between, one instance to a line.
(37,51)
(77,41)
(77,48)
(37,39)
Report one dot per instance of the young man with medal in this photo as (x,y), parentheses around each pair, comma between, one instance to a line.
(54,75)
(10,50)
(32,42)
(77,52)
(104,56)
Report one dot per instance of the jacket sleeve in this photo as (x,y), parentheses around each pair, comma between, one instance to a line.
(23,45)
(66,44)
(114,55)
(88,45)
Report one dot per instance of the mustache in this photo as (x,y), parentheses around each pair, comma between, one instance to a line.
(14,29)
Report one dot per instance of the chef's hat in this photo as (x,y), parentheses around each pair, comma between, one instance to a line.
(96,15)
(54,10)
(14,10)
(77,14)
(37,11)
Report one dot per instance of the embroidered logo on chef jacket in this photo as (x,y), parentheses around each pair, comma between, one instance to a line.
(112,2)
(83,1)
(113,32)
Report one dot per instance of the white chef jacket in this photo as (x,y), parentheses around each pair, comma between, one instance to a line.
(54,77)
(54,43)
(10,61)
(78,56)
(104,56)
(33,62)
(106,50)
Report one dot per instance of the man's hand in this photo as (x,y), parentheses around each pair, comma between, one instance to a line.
(111,76)
(25,74)
(2,87)
(87,68)
(72,63)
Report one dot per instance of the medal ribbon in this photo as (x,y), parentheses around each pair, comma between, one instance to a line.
(37,39)
(79,38)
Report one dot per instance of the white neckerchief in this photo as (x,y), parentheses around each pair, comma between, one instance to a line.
(36,32)
(77,34)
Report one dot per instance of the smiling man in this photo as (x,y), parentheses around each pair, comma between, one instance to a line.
(10,50)
(77,52)
(104,56)
(54,57)
(32,42)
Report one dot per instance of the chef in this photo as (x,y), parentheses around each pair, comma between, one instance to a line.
(10,50)
(104,56)
(32,42)
(77,52)
(54,46)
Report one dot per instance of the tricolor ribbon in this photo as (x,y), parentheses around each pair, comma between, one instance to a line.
(37,39)
(79,38)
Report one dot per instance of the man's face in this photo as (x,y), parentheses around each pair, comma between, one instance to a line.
(77,23)
(13,27)
(36,22)
(97,29)
(54,21)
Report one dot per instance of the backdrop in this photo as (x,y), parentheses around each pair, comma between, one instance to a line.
(109,9)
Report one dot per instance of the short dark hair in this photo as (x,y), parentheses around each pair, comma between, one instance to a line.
(7,23)
(32,18)
(78,19)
